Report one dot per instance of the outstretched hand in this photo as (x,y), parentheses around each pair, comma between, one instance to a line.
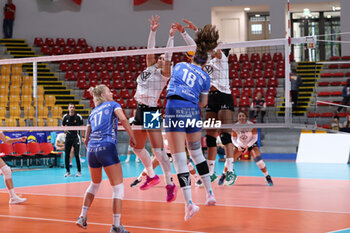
(179,27)
(173,29)
(154,22)
(190,25)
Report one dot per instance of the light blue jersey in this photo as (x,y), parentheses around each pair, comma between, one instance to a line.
(188,81)
(104,123)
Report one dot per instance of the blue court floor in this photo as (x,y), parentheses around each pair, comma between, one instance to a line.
(277,168)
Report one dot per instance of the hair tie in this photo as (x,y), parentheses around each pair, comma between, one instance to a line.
(199,59)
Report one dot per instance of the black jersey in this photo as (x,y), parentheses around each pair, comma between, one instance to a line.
(75,120)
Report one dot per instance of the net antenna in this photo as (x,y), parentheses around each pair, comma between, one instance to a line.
(284,43)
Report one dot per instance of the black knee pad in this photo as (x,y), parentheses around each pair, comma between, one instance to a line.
(225,138)
(202,168)
(184,179)
(211,141)
(257,158)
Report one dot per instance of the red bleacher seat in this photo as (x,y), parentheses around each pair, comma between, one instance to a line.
(131,103)
(269,65)
(129,83)
(271,91)
(324,93)
(87,94)
(245,74)
(280,73)
(78,49)
(56,50)
(121,48)
(243,57)
(258,65)
(120,59)
(336,93)
(277,57)
(255,57)
(128,75)
(246,91)
(110,48)
(99,49)
(64,66)
(106,82)
(109,66)
(273,82)
(87,66)
(67,50)
(49,42)
(93,74)
(336,83)
(98,66)
(132,48)
(268,73)
(313,114)
(81,83)
(235,65)
(266,57)
(38,41)
(117,84)
(71,42)
(70,75)
(45,49)
(323,84)
(233,74)
(81,74)
(82,42)
(235,92)
(246,65)
(236,82)
(345,57)
(260,82)
(258,89)
(105,75)
(133,67)
(256,74)
(345,66)
(333,66)
(116,75)
(334,58)
(121,66)
(270,101)
(121,102)
(244,101)
(124,93)
(248,82)
(60,42)
(75,66)
(326,114)
(137,74)
(89,49)
(232,58)
(93,82)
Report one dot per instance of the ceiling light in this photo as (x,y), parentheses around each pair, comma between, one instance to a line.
(247,8)
(329,16)
(257,15)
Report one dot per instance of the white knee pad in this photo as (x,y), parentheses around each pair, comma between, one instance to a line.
(6,170)
(180,162)
(93,188)
(197,156)
(118,191)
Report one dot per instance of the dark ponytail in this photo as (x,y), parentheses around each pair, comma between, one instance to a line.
(206,40)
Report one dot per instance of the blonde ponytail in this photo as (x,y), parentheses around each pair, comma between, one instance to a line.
(96,93)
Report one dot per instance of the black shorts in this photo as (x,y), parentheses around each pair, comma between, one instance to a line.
(141,108)
(250,148)
(219,101)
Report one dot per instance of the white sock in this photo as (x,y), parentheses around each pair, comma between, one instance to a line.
(84,211)
(12,193)
(229,164)
(116,220)
(164,162)
(186,191)
(146,161)
(207,183)
(211,164)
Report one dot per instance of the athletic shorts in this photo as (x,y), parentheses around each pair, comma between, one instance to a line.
(102,155)
(250,148)
(181,116)
(219,101)
(141,108)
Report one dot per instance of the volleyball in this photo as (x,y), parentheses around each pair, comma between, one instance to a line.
(189,54)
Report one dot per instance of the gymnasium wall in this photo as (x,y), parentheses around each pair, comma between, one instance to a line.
(118,22)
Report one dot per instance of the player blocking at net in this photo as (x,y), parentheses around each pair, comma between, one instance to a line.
(187,92)
(150,84)
(101,144)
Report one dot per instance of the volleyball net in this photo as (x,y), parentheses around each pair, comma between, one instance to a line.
(253,67)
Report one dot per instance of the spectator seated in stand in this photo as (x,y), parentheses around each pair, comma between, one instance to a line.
(258,106)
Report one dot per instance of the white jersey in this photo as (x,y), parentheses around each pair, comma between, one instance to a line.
(244,135)
(150,84)
(218,71)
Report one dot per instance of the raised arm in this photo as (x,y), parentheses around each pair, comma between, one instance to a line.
(154,24)
(188,39)
(166,70)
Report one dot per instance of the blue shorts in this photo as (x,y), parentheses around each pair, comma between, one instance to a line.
(102,155)
(182,116)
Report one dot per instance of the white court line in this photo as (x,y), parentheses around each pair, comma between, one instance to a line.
(240,206)
(94,223)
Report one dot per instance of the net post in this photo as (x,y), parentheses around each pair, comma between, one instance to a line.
(35,90)
(287,74)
